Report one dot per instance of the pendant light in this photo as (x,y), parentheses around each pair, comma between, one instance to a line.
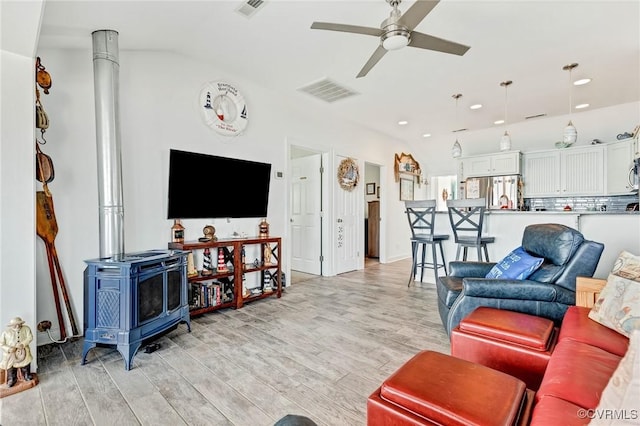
(505,140)
(456,149)
(570,134)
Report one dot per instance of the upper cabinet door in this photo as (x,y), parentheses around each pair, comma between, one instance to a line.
(619,163)
(583,171)
(477,166)
(564,172)
(507,163)
(542,174)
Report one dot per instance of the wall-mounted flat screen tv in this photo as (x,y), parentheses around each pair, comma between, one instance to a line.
(203,186)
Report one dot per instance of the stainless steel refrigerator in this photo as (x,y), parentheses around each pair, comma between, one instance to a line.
(501,192)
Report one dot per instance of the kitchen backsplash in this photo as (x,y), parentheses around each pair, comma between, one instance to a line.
(612,203)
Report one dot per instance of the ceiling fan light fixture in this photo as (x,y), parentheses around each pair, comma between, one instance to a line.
(397,31)
(396,39)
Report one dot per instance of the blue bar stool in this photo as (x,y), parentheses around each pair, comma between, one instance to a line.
(467,218)
(421,215)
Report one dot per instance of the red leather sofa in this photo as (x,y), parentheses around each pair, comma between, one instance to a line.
(582,356)
(579,369)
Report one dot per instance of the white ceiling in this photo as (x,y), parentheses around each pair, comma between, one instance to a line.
(527,42)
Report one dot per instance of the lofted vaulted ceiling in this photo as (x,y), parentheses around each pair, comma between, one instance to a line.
(527,42)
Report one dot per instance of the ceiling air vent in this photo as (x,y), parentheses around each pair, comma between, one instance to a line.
(250,7)
(535,116)
(459,130)
(327,90)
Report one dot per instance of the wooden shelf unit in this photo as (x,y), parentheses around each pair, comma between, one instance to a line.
(234,274)
(401,162)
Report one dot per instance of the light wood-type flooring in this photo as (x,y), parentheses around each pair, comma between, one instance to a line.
(318,351)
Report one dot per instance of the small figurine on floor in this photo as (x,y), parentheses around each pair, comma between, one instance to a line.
(14,342)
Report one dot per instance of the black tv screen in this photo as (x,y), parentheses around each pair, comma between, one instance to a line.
(205,186)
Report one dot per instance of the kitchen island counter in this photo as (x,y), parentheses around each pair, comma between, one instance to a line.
(543,212)
(617,230)
(580,212)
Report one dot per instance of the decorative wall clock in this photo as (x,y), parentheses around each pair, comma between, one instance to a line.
(348,174)
(224,108)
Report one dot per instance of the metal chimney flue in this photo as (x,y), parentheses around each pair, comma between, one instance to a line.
(106,67)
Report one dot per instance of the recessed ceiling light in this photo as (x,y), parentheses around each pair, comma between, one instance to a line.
(475,106)
(581,81)
(498,122)
(426,135)
(582,106)
(403,122)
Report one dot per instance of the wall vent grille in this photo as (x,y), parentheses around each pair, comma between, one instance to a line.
(327,90)
(250,7)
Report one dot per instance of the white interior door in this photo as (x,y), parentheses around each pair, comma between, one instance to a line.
(305,215)
(346,229)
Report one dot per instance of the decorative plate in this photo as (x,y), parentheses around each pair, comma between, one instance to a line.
(224,108)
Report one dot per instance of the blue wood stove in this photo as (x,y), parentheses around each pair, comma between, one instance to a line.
(132,298)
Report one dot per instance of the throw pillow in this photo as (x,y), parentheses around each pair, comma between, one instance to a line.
(517,265)
(619,401)
(627,266)
(618,306)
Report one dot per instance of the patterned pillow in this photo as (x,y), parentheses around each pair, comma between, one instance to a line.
(621,395)
(517,265)
(618,306)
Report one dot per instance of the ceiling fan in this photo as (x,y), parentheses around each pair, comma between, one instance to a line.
(396,32)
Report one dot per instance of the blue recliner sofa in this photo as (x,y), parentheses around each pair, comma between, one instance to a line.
(547,293)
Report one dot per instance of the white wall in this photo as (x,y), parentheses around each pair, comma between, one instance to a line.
(159,110)
(19,22)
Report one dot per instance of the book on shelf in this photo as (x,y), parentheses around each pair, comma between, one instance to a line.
(205,294)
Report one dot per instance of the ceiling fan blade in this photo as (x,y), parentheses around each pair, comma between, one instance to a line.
(416,13)
(346,28)
(377,55)
(426,41)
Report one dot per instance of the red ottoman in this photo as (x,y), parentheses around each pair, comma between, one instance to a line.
(515,343)
(437,389)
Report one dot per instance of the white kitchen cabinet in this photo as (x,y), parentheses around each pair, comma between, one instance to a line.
(583,171)
(504,163)
(564,172)
(619,162)
(541,174)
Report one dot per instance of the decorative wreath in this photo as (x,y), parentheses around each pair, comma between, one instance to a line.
(348,174)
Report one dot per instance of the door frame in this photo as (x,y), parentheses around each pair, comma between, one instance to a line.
(381,170)
(329,165)
(292,145)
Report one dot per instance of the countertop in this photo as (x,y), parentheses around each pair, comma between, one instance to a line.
(556,212)
(589,212)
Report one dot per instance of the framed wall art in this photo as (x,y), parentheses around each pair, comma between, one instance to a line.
(406,189)
(371,188)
